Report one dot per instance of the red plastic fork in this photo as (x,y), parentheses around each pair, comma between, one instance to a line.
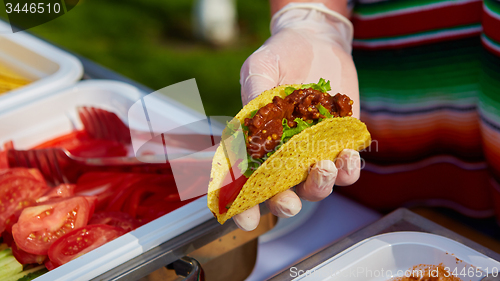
(103,124)
(58,166)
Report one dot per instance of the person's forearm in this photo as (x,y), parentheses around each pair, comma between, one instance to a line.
(339,6)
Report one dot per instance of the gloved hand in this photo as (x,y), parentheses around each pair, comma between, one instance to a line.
(308,42)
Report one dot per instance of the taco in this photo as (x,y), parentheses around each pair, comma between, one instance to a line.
(284,131)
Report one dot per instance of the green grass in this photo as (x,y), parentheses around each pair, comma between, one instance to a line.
(152,42)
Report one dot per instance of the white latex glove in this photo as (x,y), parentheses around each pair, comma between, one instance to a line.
(308,42)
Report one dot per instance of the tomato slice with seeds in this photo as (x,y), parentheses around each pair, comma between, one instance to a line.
(26,258)
(81,241)
(50,265)
(92,200)
(40,226)
(21,172)
(118,219)
(19,188)
(10,221)
(61,191)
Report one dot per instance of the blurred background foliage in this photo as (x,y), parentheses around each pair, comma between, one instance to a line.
(152,42)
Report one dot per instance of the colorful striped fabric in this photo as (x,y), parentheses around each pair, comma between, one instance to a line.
(429,74)
(394,24)
(491,26)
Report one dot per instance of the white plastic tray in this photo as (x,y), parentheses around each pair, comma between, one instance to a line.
(43,119)
(382,257)
(47,66)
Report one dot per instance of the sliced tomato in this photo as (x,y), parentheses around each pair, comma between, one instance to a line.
(92,200)
(66,141)
(135,181)
(4,161)
(50,265)
(90,180)
(10,221)
(230,191)
(8,145)
(81,241)
(99,148)
(7,238)
(40,226)
(165,198)
(117,203)
(26,258)
(150,201)
(100,184)
(105,185)
(139,194)
(146,186)
(36,174)
(79,143)
(19,188)
(61,191)
(20,172)
(132,193)
(149,213)
(118,219)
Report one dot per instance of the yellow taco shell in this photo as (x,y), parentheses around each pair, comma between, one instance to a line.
(289,165)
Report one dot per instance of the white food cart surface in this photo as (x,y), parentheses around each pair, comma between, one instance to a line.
(334,218)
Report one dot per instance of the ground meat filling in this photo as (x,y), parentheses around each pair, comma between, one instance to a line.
(265,128)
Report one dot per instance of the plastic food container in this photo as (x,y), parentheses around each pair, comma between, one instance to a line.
(56,114)
(48,67)
(385,256)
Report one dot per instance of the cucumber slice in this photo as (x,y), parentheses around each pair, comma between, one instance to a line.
(6,252)
(9,266)
(29,274)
